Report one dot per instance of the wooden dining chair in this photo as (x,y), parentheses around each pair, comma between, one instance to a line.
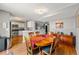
(48,50)
(37,33)
(55,45)
(31,34)
(31,50)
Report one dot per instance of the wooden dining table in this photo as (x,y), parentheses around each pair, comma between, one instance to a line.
(44,42)
(41,41)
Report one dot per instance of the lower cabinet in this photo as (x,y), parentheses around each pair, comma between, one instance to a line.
(3,43)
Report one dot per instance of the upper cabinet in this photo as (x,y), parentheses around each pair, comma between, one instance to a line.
(30,25)
(16,26)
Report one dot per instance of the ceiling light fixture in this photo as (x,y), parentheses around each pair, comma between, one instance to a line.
(16,18)
(41,10)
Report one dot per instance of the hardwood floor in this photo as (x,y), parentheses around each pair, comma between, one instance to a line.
(64,49)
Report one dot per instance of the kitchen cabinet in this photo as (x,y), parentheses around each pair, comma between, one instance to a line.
(3,43)
(16,26)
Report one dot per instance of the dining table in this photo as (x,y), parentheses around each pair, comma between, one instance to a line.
(45,42)
(41,40)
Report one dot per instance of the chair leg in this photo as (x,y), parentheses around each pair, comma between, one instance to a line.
(40,51)
(55,52)
(50,52)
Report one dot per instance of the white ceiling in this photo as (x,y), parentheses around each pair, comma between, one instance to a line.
(26,10)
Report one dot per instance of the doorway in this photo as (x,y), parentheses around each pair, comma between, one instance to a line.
(46,28)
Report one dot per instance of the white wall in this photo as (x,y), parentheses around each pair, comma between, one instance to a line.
(69,26)
(77,34)
(77,41)
(4,20)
